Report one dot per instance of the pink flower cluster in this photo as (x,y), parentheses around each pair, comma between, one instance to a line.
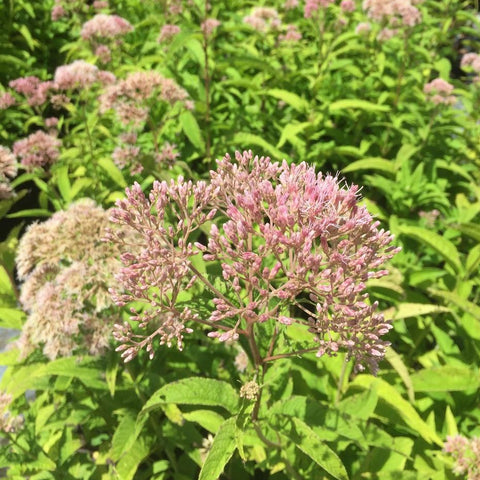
(7,100)
(132,97)
(285,239)
(291,35)
(348,5)
(209,25)
(393,11)
(33,89)
(79,74)
(471,60)
(167,32)
(466,455)
(290,4)
(37,150)
(439,91)
(263,19)
(105,26)
(312,6)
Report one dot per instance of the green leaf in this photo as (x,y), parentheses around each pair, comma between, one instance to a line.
(306,440)
(396,362)
(208,419)
(112,171)
(450,423)
(221,451)
(31,212)
(445,379)
(473,260)
(408,310)
(357,104)
(292,99)
(370,163)
(195,391)
(392,399)
(192,130)
(457,300)
(123,438)
(470,229)
(128,464)
(63,183)
(244,141)
(12,318)
(438,243)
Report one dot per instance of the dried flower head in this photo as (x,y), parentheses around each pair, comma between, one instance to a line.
(39,149)
(292,246)
(66,270)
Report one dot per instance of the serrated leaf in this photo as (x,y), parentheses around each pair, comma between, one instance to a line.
(436,242)
(306,440)
(392,398)
(128,464)
(195,391)
(192,130)
(445,379)
(292,99)
(357,104)
(220,452)
(370,163)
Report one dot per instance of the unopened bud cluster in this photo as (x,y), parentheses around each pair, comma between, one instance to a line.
(260,242)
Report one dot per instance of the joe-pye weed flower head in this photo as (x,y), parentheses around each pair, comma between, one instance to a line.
(284,245)
(66,271)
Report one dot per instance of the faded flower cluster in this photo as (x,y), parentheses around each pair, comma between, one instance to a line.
(66,271)
(8,170)
(133,97)
(312,6)
(465,454)
(290,247)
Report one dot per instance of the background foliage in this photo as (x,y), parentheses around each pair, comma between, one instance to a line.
(340,99)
